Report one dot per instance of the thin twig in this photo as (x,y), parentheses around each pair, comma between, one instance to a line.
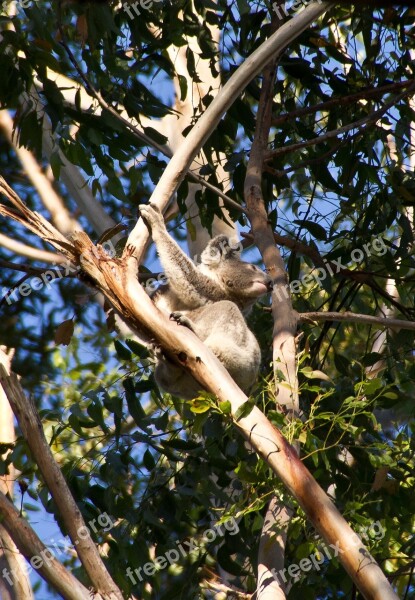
(366,121)
(309,161)
(363,94)
(352,317)
(143,137)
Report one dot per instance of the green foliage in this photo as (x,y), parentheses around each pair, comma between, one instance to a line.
(168,471)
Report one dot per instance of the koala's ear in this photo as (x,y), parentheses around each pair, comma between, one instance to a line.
(211,255)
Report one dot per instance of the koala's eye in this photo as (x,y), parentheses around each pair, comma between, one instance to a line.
(229,283)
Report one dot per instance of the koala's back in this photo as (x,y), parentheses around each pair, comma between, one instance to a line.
(222,327)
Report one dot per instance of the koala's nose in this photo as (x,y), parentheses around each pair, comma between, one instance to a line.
(270,285)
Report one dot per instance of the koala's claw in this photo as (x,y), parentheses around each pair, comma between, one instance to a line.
(177,316)
(181,319)
(150,213)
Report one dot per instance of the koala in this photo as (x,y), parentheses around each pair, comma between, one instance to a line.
(222,327)
(209,299)
(222,275)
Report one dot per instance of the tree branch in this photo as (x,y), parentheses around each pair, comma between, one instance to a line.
(182,159)
(117,280)
(122,116)
(17,584)
(29,270)
(32,430)
(29,251)
(350,317)
(51,200)
(340,100)
(34,550)
(74,182)
(271,553)
(369,119)
(197,236)
(309,161)
(334,270)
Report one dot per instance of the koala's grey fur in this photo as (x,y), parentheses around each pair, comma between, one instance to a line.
(222,328)
(222,275)
(208,299)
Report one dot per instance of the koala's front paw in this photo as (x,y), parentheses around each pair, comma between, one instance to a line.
(181,319)
(151,214)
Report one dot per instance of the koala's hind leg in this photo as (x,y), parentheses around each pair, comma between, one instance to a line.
(173,379)
(222,327)
(242,362)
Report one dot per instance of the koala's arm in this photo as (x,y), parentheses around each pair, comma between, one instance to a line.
(190,285)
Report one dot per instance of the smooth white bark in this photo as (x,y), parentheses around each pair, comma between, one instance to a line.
(182,159)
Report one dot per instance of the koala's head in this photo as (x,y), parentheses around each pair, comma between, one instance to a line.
(240,281)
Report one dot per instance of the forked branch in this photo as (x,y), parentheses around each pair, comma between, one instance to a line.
(117,280)
(182,159)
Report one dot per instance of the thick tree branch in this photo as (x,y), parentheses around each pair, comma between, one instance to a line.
(117,280)
(274,532)
(121,287)
(197,87)
(42,558)
(32,430)
(181,161)
(284,317)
